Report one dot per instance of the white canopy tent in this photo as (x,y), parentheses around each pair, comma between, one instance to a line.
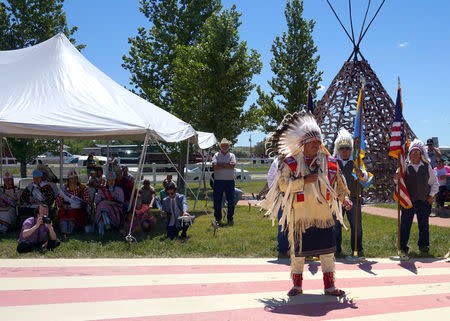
(51,90)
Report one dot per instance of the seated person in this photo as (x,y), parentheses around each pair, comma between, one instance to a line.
(37,192)
(109,201)
(443,175)
(127,188)
(9,196)
(90,164)
(37,232)
(49,177)
(73,201)
(175,210)
(144,221)
(149,195)
(126,174)
(162,193)
(96,180)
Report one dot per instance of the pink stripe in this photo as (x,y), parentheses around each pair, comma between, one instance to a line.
(53,296)
(189,269)
(276,310)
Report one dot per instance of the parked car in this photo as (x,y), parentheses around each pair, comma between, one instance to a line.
(51,158)
(194,173)
(81,160)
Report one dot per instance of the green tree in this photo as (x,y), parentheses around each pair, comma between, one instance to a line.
(294,64)
(213,77)
(25,23)
(153,51)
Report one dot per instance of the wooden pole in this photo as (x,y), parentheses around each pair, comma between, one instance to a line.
(358,154)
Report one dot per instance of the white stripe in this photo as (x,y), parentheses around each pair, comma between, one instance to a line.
(419,315)
(198,304)
(396,123)
(28,283)
(395,143)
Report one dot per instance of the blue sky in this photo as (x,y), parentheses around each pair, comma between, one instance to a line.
(409,38)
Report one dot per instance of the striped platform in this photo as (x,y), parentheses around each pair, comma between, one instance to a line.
(218,289)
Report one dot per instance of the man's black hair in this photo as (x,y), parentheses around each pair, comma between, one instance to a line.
(170,186)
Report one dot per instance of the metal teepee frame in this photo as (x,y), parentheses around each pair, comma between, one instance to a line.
(337,110)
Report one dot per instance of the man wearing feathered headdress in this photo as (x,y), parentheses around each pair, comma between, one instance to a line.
(307,190)
(421,184)
(343,148)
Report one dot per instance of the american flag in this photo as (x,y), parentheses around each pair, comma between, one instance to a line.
(218,289)
(397,149)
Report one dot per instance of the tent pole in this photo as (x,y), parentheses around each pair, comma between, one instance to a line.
(139,172)
(200,178)
(61,163)
(186,170)
(108,155)
(129,238)
(1,159)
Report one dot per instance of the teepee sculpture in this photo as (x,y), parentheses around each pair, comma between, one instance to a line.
(337,110)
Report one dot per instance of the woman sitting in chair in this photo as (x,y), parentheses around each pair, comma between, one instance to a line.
(109,201)
(9,195)
(73,201)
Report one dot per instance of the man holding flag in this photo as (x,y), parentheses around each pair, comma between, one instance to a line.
(416,184)
(343,148)
(355,174)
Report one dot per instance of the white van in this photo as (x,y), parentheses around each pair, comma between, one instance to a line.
(81,160)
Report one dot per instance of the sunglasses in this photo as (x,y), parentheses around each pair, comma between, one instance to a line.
(171,193)
(344,148)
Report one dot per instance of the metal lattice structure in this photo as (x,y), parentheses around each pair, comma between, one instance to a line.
(337,110)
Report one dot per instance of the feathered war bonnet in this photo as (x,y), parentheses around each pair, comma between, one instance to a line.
(294,131)
(418,144)
(343,139)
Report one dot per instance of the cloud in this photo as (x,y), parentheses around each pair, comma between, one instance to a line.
(321,88)
(425,120)
(403,44)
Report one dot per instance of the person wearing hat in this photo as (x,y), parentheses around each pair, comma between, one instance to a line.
(343,148)
(422,185)
(433,152)
(109,209)
(223,163)
(37,192)
(9,196)
(72,201)
(309,189)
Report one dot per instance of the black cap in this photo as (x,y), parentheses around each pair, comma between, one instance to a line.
(430,141)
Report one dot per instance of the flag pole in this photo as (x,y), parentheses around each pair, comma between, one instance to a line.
(399,256)
(357,147)
(398,214)
(398,200)
(355,251)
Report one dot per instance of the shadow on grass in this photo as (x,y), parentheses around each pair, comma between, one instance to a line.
(310,305)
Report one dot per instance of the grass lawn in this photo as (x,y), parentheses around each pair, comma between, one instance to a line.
(251,236)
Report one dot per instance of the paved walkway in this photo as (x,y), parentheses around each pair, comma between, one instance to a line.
(387,212)
(218,289)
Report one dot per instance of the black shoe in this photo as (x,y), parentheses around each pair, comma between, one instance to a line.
(283,255)
(183,235)
(230,222)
